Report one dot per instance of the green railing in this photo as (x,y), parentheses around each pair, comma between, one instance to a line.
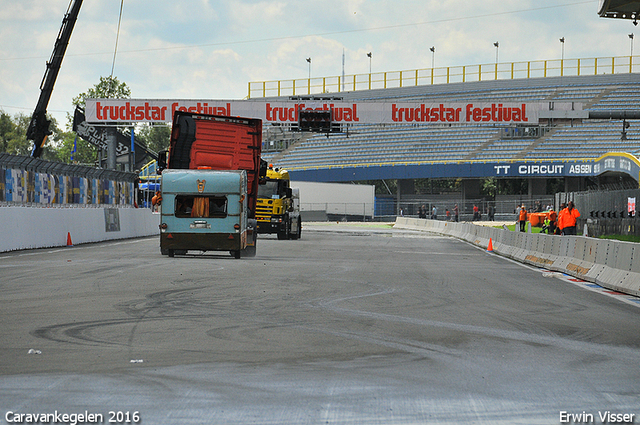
(445,75)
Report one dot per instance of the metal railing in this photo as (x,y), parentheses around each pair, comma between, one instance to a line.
(445,75)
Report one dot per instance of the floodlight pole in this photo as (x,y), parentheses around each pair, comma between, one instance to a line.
(562,58)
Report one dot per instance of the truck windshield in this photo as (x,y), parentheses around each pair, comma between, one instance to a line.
(213,206)
(269,190)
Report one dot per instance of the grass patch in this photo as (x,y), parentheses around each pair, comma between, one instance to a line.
(624,238)
(512,227)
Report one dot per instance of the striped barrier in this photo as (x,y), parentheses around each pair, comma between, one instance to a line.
(611,264)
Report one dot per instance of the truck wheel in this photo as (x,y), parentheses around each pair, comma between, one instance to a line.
(171,253)
(236,254)
(299,228)
(249,251)
(294,236)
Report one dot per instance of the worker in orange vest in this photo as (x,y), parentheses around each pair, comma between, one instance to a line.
(568,218)
(560,219)
(522,218)
(553,222)
(156,201)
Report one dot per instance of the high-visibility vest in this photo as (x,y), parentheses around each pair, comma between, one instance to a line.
(570,217)
(523,215)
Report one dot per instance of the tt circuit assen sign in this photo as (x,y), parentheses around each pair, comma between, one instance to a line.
(612,162)
(615,162)
(286,112)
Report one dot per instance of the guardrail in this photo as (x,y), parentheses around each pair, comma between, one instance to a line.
(446,75)
(611,264)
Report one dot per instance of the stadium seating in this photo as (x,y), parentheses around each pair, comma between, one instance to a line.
(409,143)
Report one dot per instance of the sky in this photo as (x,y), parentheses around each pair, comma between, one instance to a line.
(208,49)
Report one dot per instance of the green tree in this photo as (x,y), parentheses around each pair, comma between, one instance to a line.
(107,88)
(155,137)
(6,130)
(490,187)
(85,153)
(14,139)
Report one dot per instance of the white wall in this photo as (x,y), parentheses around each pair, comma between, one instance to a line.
(336,198)
(23,227)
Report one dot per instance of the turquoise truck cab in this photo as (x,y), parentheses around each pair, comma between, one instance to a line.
(204,210)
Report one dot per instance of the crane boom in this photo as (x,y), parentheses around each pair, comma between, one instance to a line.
(38,129)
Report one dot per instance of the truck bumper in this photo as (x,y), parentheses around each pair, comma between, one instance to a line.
(268,227)
(202,241)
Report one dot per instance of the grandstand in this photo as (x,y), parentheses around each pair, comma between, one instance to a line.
(471,152)
(369,145)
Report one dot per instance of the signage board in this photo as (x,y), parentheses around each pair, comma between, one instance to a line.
(362,112)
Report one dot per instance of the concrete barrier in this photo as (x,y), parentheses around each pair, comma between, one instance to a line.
(567,250)
(603,247)
(612,264)
(26,227)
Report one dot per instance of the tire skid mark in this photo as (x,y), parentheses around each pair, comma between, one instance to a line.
(158,306)
(420,348)
(525,337)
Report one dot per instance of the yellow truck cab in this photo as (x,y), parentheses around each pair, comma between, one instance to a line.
(278,206)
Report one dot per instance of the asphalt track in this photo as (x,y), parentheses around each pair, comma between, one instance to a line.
(349,325)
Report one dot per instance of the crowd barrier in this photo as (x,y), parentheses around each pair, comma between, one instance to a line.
(27,180)
(611,264)
(28,226)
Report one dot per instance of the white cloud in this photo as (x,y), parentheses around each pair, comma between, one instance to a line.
(213,48)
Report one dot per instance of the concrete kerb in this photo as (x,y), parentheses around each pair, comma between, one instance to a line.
(612,264)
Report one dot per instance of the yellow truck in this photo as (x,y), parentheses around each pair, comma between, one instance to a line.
(278,206)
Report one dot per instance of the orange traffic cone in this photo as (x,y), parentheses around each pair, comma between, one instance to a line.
(490,247)
(69,243)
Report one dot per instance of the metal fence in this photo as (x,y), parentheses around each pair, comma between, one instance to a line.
(605,212)
(446,75)
(501,209)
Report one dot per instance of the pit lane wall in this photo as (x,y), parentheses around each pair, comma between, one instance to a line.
(27,227)
(611,264)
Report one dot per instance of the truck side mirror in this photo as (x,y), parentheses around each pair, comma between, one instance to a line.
(162,160)
(262,173)
(288,192)
(263,168)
